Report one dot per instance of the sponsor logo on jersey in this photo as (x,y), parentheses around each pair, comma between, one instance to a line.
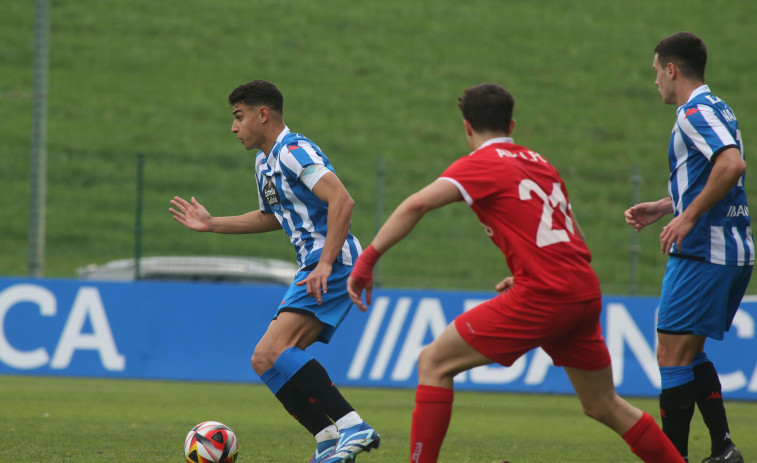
(738,211)
(728,115)
(271,194)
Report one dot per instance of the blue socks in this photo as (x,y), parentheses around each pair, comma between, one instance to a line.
(676,376)
(287,365)
(291,361)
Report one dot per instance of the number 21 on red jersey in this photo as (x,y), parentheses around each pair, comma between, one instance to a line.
(545,234)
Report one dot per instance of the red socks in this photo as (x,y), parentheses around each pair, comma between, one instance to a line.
(433,409)
(649,443)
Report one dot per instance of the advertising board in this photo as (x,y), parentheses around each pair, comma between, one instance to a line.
(207,332)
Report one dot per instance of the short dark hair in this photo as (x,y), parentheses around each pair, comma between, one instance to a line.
(685,50)
(487,107)
(258,92)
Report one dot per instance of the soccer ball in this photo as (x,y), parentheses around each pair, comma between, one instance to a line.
(211,442)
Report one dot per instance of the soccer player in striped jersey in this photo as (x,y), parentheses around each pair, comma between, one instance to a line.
(552,301)
(299,192)
(709,241)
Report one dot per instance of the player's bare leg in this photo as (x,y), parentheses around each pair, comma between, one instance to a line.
(448,355)
(438,364)
(675,350)
(303,386)
(599,400)
(290,329)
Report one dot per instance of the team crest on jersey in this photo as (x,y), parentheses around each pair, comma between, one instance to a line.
(271,194)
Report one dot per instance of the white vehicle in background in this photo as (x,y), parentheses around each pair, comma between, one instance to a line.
(194,268)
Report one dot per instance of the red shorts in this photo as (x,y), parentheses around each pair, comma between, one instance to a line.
(508,326)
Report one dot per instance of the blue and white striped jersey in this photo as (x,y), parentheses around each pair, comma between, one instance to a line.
(285,181)
(706,126)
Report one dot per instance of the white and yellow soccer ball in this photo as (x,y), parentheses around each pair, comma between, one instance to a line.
(211,442)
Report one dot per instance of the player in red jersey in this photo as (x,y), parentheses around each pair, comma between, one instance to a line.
(552,301)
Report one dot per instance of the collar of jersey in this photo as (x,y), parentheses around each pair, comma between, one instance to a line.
(492,141)
(269,157)
(698,91)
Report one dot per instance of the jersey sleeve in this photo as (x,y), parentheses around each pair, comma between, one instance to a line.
(302,161)
(704,131)
(468,176)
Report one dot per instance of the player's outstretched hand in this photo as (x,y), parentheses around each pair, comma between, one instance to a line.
(361,278)
(193,216)
(355,289)
(643,214)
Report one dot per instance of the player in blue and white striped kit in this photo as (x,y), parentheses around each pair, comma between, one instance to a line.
(709,241)
(299,192)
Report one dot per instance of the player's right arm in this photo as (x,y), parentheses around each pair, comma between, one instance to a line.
(195,217)
(728,169)
(643,214)
(407,215)
(399,224)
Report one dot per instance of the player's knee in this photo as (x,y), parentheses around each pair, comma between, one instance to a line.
(431,367)
(669,356)
(426,363)
(422,364)
(261,361)
(678,351)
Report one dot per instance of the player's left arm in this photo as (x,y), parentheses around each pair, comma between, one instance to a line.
(728,168)
(398,226)
(331,191)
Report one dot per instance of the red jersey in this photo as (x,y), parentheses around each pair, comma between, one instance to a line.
(522,203)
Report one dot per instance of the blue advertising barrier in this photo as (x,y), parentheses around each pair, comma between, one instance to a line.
(207,332)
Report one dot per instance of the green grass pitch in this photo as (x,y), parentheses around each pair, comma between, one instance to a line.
(57,420)
(366,81)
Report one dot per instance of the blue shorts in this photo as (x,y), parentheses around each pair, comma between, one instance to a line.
(335,304)
(700,298)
